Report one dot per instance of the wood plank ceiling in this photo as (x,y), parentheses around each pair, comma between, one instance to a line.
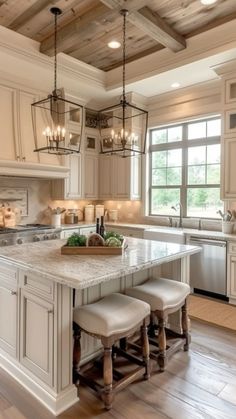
(86,26)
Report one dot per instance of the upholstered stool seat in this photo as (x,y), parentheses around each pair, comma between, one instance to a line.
(114,314)
(165,297)
(161,294)
(112,319)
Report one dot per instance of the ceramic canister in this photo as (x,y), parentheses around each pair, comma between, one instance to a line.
(99,211)
(89,213)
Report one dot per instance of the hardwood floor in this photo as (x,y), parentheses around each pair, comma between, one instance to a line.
(200,384)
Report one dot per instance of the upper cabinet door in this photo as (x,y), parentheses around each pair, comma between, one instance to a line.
(74,181)
(8,140)
(121,180)
(91,176)
(105,177)
(26,128)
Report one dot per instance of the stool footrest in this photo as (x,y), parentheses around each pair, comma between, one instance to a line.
(130,357)
(129,378)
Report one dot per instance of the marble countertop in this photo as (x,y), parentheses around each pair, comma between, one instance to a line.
(80,224)
(187,231)
(82,272)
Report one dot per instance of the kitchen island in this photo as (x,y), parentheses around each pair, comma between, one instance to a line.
(38,289)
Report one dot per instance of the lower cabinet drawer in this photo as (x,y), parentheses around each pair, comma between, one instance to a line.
(37,285)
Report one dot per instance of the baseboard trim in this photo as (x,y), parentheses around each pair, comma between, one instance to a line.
(55,403)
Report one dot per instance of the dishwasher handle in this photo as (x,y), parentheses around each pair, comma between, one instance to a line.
(212,242)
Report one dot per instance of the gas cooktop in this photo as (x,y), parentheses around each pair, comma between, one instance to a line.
(33,227)
(25,227)
(8,230)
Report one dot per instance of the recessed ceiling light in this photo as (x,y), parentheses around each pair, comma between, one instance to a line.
(176,84)
(114,44)
(208,2)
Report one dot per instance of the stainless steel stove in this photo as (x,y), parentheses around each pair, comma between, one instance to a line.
(27,234)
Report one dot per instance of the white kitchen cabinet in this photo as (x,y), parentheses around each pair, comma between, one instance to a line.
(90,176)
(228,142)
(72,186)
(10,149)
(129,232)
(8,309)
(231,272)
(88,230)
(17,140)
(36,331)
(120,178)
(105,177)
(26,134)
(67,233)
(228,168)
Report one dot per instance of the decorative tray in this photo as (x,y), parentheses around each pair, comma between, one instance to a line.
(93,250)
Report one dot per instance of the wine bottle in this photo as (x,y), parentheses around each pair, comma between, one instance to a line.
(97,226)
(102,228)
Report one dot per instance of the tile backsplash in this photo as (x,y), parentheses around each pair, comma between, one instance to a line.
(35,195)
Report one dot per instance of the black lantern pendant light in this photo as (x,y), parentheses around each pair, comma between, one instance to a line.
(123,127)
(52,116)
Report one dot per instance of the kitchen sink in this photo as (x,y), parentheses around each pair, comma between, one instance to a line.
(166,234)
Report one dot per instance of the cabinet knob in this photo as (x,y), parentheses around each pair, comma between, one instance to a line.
(23,158)
(13,292)
(50,311)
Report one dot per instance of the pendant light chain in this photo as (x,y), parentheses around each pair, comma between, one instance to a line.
(55,53)
(124,51)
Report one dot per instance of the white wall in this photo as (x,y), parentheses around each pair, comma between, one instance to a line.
(183,104)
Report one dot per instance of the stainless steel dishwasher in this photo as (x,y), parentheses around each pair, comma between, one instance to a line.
(208,267)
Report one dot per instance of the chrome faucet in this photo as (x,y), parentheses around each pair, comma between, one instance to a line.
(170,221)
(179,205)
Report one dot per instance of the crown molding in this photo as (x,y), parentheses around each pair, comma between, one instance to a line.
(26,49)
(225,68)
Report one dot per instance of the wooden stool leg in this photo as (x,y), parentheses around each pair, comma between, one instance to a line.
(161,342)
(185,325)
(152,326)
(145,349)
(76,351)
(107,395)
(123,344)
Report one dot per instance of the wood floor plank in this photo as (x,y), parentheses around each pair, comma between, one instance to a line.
(193,373)
(4,403)
(200,384)
(166,403)
(12,413)
(229,394)
(193,395)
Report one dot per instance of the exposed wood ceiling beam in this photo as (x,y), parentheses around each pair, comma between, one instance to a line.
(154,26)
(129,5)
(30,13)
(83,27)
(151,24)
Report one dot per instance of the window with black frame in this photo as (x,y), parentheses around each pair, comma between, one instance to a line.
(185,168)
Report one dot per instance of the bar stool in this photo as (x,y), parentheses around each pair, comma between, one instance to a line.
(112,318)
(165,296)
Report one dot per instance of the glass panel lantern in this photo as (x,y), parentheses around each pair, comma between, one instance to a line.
(51,118)
(123,129)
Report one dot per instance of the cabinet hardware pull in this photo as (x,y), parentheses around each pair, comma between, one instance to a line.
(13,292)
(23,158)
(50,311)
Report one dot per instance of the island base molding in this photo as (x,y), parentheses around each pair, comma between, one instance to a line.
(55,403)
(232,301)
